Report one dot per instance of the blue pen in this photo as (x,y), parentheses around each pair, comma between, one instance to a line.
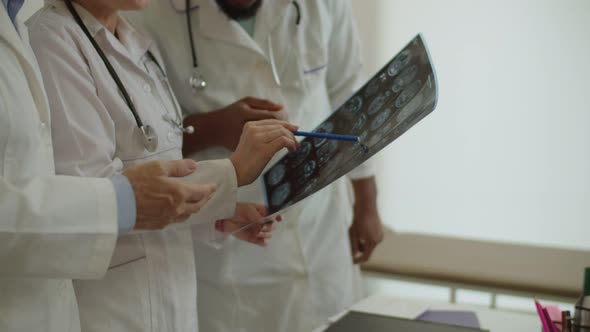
(348,138)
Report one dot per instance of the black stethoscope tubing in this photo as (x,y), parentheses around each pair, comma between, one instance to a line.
(114,74)
(107,63)
(190,34)
(150,137)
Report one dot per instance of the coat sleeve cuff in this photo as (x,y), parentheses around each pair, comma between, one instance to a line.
(222,204)
(126,211)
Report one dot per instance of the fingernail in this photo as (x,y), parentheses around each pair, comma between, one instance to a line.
(192,165)
(219,226)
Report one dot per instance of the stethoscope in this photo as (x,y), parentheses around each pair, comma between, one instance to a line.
(149,135)
(196,81)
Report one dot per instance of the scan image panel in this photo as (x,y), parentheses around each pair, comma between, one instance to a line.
(401,94)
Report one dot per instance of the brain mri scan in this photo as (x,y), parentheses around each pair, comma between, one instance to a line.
(305,172)
(404,78)
(354,105)
(378,103)
(280,194)
(326,152)
(373,87)
(408,94)
(399,63)
(359,124)
(308,168)
(325,128)
(302,153)
(380,119)
(402,93)
(276,174)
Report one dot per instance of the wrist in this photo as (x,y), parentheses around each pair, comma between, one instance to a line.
(208,128)
(366,208)
(235,162)
(365,196)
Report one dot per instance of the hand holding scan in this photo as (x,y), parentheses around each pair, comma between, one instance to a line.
(259,142)
(162,200)
(247,224)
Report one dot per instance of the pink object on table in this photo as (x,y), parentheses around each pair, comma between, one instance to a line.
(546,327)
(548,316)
(550,322)
(554,316)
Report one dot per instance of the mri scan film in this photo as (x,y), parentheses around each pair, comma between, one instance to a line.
(401,94)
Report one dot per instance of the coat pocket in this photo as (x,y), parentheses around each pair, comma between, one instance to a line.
(314,65)
(119,301)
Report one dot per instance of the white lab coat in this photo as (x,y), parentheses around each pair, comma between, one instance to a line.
(52,228)
(151,282)
(306,274)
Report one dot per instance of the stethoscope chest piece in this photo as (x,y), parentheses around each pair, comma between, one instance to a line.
(150,138)
(196,81)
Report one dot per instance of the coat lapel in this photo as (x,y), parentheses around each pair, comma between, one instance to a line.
(213,24)
(270,14)
(26,58)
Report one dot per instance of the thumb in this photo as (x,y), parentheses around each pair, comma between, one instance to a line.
(179,168)
(253,214)
(261,209)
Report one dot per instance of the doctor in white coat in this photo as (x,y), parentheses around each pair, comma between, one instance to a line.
(151,282)
(304,57)
(55,228)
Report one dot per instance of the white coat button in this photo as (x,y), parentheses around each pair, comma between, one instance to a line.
(147,88)
(296,84)
(43,125)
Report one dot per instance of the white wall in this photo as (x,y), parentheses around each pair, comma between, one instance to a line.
(506,155)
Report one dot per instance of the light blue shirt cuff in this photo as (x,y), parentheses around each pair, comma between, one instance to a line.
(126,212)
